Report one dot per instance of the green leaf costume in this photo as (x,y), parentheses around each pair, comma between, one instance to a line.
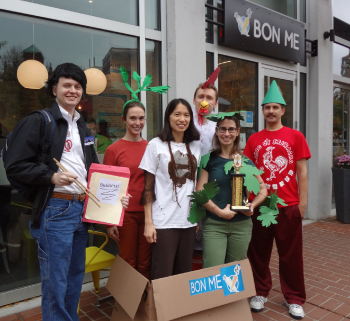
(269,213)
(147,81)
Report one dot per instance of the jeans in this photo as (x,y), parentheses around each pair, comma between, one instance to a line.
(61,239)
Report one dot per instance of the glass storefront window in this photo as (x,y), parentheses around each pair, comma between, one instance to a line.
(341,61)
(238,90)
(209,27)
(287,7)
(303,100)
(340,122)
(302,10)
(153,100)
(54,43)
(209,63)
(152,14)
(341,103)
(117,10)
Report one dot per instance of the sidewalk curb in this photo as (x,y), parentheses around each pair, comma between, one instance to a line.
(36,302)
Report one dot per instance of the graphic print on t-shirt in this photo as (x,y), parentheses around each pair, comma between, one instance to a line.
(182,168)
(68,145)
(275,163)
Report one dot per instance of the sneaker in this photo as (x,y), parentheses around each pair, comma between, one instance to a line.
(257,303)
(295,311)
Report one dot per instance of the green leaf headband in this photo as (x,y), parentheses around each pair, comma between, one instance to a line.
(145,84)
(216,117)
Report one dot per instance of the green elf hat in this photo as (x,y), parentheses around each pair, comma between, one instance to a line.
(143,87)
(273,95)
(216,117)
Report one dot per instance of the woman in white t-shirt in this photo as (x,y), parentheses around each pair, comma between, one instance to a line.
(170,164)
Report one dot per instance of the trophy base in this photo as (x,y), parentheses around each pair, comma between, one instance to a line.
(240,208)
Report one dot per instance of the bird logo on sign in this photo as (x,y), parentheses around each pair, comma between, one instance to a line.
(243,22)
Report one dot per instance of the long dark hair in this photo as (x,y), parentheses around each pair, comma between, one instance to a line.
(216,142)
(166,133)
(191,134)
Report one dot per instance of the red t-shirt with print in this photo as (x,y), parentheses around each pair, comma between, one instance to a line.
(276,153)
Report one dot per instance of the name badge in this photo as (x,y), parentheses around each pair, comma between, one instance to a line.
(89,140)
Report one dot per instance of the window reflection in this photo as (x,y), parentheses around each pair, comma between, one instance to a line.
(55,43)
(287,7)
(209,27)
(153,100)
(238,91)
(340,122)
(117,10)
(152,14)
(341,101)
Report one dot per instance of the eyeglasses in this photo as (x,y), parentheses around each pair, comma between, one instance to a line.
(223,130)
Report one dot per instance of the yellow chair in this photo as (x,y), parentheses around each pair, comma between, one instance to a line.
(98,260)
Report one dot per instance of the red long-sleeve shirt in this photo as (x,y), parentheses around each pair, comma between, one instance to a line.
(129,154)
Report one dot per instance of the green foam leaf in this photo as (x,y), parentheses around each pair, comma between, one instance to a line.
(228,167)
(216,117)
(196,213)
(250,181)
(211,189)
(159,89)
(200,197)
(203,163)
(124,74)
(137,77)
(146,82)
(267,216)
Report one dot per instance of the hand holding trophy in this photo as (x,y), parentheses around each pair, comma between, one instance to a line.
(237,186)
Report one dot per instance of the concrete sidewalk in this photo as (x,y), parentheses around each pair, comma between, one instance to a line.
(327,278)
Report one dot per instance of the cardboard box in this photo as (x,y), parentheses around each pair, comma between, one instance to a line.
(217,293)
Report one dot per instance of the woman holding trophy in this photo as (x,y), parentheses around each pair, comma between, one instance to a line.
(227,225)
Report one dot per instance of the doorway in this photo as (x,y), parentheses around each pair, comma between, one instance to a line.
(286,80)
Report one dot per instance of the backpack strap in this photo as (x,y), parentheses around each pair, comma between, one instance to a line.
(49,128)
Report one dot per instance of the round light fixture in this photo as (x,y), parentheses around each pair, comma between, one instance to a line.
(32,74)
(96,81)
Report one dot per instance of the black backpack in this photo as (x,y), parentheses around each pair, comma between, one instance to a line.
(25,190)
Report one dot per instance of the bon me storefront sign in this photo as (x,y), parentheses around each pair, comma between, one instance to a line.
(252,28)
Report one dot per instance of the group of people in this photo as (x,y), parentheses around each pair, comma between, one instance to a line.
(156,237)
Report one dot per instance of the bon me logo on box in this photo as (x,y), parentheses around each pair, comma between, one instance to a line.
(229,280)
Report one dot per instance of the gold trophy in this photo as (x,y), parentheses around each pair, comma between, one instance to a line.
(237,187)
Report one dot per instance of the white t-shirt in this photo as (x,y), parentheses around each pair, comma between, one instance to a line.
(207,132)
(73,156)
(166,213)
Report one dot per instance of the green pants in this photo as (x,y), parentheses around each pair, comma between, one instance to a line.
(225,242)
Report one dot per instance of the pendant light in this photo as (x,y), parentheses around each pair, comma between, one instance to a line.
(32,74)
(96,79)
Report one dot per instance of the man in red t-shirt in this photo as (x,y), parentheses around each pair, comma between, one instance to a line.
(280,152)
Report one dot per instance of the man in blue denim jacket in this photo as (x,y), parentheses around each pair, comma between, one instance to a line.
(57,224)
